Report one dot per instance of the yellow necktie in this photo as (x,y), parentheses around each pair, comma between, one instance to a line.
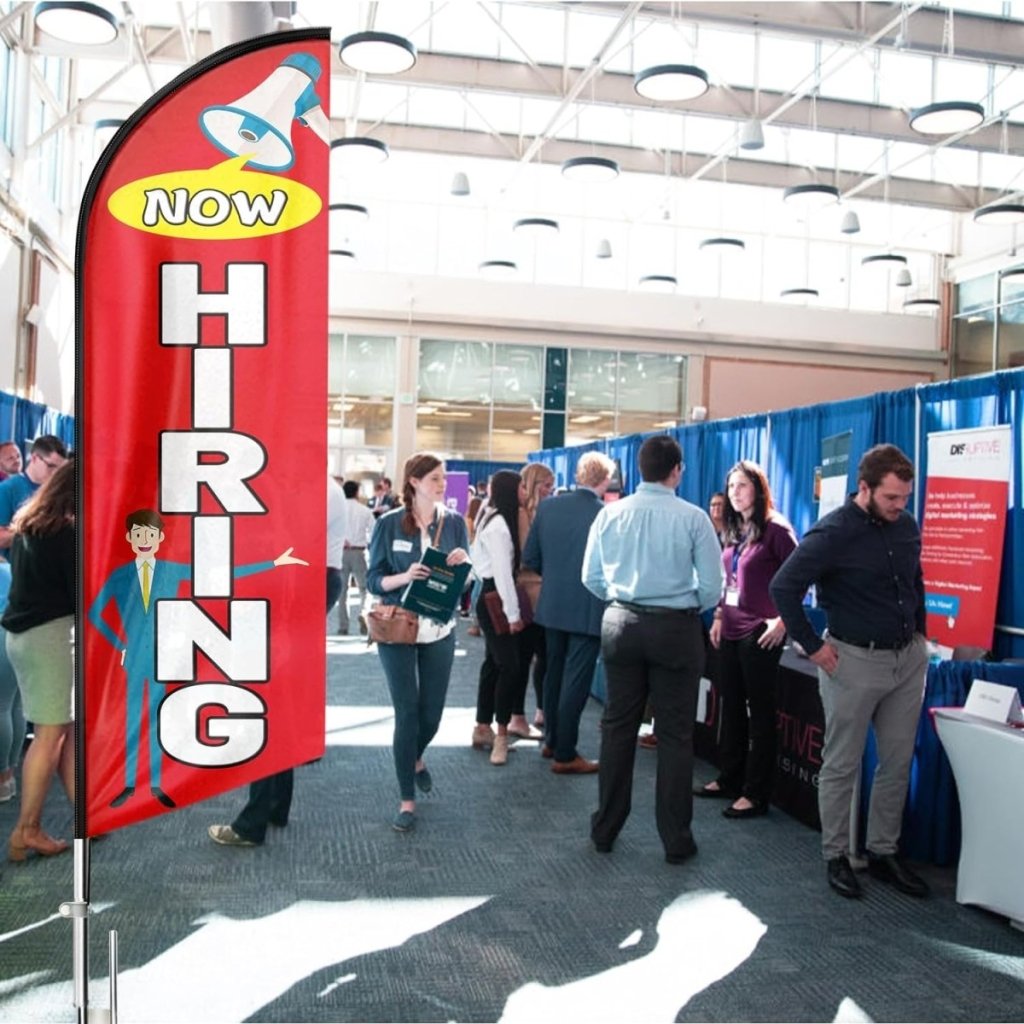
(145,585)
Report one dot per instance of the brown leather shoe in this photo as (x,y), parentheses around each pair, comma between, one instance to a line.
(577,766)
(547,752)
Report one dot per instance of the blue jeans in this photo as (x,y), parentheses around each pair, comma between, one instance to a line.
(417,676)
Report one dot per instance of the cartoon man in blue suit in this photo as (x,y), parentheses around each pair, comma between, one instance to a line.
(135,588)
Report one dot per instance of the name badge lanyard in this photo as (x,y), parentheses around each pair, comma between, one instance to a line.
(732,588)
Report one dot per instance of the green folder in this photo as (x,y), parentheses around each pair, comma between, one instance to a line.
(438,595)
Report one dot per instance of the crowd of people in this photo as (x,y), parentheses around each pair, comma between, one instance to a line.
(649,583)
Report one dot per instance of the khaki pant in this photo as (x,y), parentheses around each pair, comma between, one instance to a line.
(883,689)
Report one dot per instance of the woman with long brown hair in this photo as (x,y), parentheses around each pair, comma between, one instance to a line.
(538,484)
(417,673)
(749,634)
(39,621)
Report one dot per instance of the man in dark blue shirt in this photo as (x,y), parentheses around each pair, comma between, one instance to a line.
(865,560)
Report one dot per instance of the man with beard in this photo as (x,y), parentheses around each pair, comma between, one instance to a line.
(865,560)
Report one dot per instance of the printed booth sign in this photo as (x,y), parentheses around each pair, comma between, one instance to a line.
(962,535)
(201,359)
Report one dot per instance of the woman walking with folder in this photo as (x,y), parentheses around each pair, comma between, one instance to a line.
(417,673)
(496,562)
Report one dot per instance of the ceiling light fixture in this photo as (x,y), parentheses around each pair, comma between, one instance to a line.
(812,195)
(535,226)
(377,53)
(604,249)
(851,223)
(658,282)
(590,169)
(671,82)
(73,21)
(884,259)
(752,135)
(357,154)
(344,255)
(104,129)
(724,245)
(1002,212)
(798,295)
(903,278)
(343,219)
(498,269)
(752,132)
(922,305)
(460,184)
(947,118)
(1014,275)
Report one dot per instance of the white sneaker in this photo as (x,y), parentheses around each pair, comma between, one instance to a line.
(8,789)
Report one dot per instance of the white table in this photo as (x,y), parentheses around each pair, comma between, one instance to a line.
(988,763)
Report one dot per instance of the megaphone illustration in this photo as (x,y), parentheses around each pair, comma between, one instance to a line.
(259,124)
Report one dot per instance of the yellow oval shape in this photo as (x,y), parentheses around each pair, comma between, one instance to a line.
(220,202)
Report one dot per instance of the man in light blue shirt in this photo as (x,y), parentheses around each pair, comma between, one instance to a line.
(657,559)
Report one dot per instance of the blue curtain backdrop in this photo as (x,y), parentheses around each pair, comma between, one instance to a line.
(21,421)
(788,445)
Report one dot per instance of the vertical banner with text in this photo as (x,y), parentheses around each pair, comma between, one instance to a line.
(201,348)
(962,535)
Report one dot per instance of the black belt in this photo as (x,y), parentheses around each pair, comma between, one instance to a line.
(654,609)
(872,645)
(352,547)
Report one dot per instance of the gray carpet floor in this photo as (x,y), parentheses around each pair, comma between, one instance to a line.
(495,907)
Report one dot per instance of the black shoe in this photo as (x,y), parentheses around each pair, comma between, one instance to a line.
(160,795)
(122,796)
(682,857)
(842,878)
(424,783)
(887,867)
(602,845)
(753,811)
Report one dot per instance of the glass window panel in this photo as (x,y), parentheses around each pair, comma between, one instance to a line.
(829,263)
(370,367)
(6,95)
(335,365)
(588,32)
(593,376)
(905,80)
(972,346)
(866,156)
(582,427)
(998,170)
(459,28)
(1010,354)
(955,166)
(518,375)
(455,371)
(910,160)
(367,424)
(785,62)
(514,435)
(728,56)
(786,265)
(811,148)
(652,383)
(438,107)
(1008,93)
(662,41)
(961,80)
(854,77)
(976,294)
(459,433)
(536,31)
(600,124)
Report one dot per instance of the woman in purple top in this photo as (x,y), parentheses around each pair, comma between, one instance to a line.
(749,634)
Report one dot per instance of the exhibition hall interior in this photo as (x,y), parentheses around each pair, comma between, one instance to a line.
(780,232)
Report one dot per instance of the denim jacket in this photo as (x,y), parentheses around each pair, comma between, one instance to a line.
(392,551)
